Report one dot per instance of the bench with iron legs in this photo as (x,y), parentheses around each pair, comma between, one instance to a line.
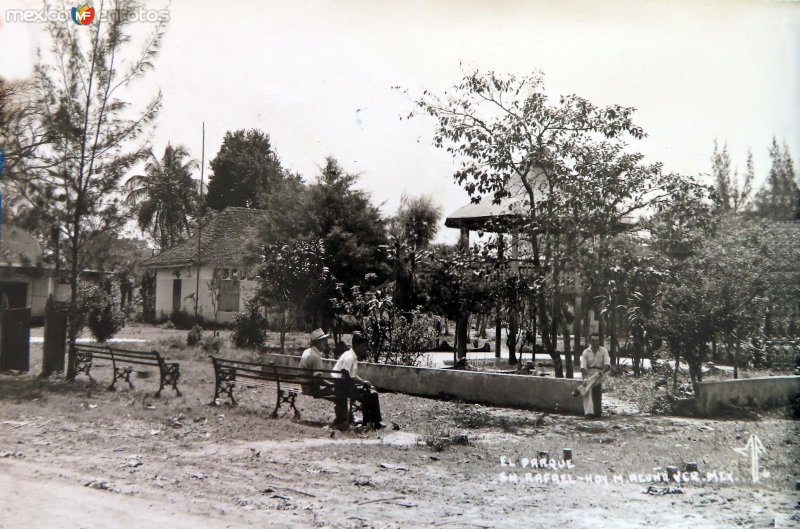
(335,386)
(122,363)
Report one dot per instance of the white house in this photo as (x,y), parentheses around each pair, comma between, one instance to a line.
(224,251)
(25,279)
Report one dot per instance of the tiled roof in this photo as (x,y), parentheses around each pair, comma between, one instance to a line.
(224,241)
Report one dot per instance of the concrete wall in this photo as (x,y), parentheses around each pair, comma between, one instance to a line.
(764,391)
(519,391)
(188,277)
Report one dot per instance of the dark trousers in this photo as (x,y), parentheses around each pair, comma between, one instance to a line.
(597,395)
(370,406)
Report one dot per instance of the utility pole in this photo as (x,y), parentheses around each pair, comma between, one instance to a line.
(200,223)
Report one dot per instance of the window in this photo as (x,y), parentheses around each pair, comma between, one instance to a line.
(228,295)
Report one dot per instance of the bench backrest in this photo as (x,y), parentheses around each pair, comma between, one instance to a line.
(128,356)
(296,376)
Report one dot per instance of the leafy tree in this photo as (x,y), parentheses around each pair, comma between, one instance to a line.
(562,168)
(292,279)
(165,198)
(779,197)
(244,172)
(725,288)
(459,282)
(93,135)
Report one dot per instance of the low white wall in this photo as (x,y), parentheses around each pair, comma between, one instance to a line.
(759,392)
(519,391)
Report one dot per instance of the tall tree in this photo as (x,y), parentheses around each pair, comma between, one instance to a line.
(351,228)
(21,133)
(564,165)
(731,195)
(334,216)
(95,138)
(721,173)
(411,232)
(779,197)
(165,199)
(244,172)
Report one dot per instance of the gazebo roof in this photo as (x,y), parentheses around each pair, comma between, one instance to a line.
(478,216)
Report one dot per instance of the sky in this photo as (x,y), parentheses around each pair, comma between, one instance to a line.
(317,76)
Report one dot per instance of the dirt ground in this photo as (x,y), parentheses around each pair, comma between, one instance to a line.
(74,455)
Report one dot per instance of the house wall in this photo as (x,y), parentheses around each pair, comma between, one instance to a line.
(37,283)
(188,277)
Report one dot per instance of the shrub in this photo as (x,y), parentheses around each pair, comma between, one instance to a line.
(194,336)
(249,327)
(182,320)
(100,311)
(211,344)
(394,337)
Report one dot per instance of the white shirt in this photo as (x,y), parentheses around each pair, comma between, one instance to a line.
(598,360)
(311,359)
(349,362)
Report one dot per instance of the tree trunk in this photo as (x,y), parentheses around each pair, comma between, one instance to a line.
(512,337)
(675,372)
(714,352)
(577,321)
(613,333)
(567,351)
(462,334)
(558,366)
(283,331)
(73,303)
(498,335)
(482,326)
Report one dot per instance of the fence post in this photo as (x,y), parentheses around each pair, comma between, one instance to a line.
(55,339)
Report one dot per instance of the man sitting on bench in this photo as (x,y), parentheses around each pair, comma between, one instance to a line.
(370,406)
(312,358)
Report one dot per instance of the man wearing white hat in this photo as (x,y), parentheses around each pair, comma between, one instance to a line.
(312,357)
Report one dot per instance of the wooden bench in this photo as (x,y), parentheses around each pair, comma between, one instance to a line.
(122,362)
(335,386)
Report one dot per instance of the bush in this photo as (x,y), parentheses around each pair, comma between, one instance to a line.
(100,311)
(182,320)
(211,344)
(194,336)
(394,337)
(249,327)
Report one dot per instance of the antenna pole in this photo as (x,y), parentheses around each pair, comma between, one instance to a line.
(200,223)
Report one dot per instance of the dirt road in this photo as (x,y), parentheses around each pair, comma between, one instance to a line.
(73,455)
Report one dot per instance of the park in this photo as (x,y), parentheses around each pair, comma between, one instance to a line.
(479,296)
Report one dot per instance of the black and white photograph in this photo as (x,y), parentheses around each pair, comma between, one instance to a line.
(399,265)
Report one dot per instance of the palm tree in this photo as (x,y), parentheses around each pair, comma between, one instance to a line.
(165,199)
